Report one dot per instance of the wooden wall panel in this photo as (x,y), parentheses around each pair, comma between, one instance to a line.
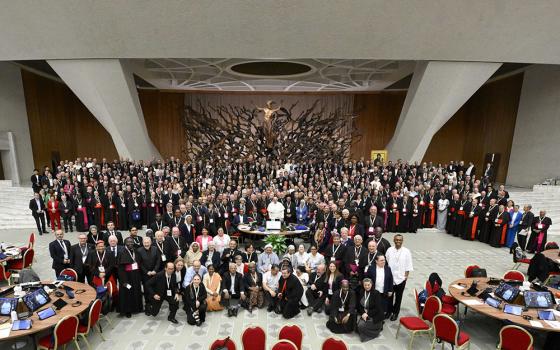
(163,116)
(449,141)
(378,115)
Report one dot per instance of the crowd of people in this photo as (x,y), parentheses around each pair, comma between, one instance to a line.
(345,268)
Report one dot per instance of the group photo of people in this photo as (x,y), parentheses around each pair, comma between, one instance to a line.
(193,256)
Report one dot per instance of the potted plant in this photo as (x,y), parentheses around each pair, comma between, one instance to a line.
(278,243)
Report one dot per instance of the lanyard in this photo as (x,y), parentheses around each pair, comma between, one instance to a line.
(335,250)
(84,251)
(366,298)
(159,247)
(176,241)
(100,259)
(196,290)
(168,280)
(345,297)
(357,251)
(132,255)
(63,246)
(370,260)
(159,225)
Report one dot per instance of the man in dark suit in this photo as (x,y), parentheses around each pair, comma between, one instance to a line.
(174,246)
(78,256)
(158,224)
(149,261)
(36,181)
(163,286)
(111,231)
(59,250)
(66,209)
(37,207)
(115,251)
(232,289)
(372,221)
(242,218)
(524,228)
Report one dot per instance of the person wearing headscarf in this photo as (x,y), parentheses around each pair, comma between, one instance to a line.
(370,312)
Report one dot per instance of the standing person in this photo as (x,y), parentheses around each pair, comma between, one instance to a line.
(490,214)
(78,258)
(382,279)
(66,208)
(400,262)
(59,250)
(513,226)
(54,213)
(499,228)
(540,226)
(163,286)
(37,207)
(471,225)
(342,316)
(524,228)
(112,232)
(442,205)
(130,280)
(149,262)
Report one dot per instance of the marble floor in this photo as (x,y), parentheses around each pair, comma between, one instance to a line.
(432,251)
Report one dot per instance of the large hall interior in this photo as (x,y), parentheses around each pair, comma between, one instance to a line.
(279,175)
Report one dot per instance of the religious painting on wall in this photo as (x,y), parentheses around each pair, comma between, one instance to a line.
(379,156)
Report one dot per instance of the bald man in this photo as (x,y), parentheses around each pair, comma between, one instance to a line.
(78,256)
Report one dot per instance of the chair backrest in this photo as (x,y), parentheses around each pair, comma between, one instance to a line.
(431,308)
(3,276)
(292,333)
(31,243)
(469,270)
(94,314)
(417,301)
(551,245)
(334,344)
(65,331)
(227,342)
(253,338)
(514,275)
(28,257)
(69,272)
(515,338)
(446,329)
(284,344)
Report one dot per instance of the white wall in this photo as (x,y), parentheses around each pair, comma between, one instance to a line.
(535,151)
(13,117)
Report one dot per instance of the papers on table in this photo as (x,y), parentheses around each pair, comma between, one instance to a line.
(472,302)
(5,330)
(456,286)
(536,324)
(553,324)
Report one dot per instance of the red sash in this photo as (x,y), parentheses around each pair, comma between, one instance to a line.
(397,218)
(99,206)
(504,231)
(474,225)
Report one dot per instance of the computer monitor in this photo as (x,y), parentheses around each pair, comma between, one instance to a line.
(538,299)
(507,292)
(36,299)
(7,305)
(273,225)
(513,309)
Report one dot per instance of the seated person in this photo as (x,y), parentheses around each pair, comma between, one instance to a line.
(371,312)
(315,292)
(342,316)
(253,285)
(232,290)
(289,294)
(212,282)
(270,287)
(195,305)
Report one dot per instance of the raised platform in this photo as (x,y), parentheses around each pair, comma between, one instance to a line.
(542,197)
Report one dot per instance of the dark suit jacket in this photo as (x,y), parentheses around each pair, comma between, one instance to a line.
(158,285)
(62,208)
(34,208)
(57,254)
(527,221)
(148,260)
(117,234)
(171,249)
(216,259)
(76,258)
(238,286)
(387,281)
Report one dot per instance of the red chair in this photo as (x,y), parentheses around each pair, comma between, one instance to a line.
(447,331)
(292,333)
(24,262)
(228,343)
(422,324)
(30,244)
(69,272)
(253,338)
(93,318)
(469,270)
(448,301)
(65,331)
(5,275)
(514,275)
(284,344)
(515,338)
(334,344)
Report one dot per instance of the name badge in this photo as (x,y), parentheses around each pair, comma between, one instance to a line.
(421,202)
(431,202)
(199,218)
(226,215)
(211,221)
(496,220)
(341,309)
(384,210)
(540,226)
(179,252)
(169,293)
(123,205)
(461,208)
(370,229)
(357,262)
(84,257)
(153,205)
(330,291)
(288,210)
(487,214)
(163,258)
(404,210)
(332,258)
(134,266)
(79,207)
(101,269)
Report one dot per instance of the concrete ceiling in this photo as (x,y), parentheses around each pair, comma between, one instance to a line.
(218,74)
(452,30)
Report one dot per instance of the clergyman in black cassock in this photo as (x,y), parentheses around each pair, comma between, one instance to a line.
(342,316)
(130,280)
(290,292)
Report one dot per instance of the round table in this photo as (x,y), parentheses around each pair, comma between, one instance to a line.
(39,325)
(247,230)
(493,312)
(552,254)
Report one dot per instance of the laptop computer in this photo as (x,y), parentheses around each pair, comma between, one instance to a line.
(273,225)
